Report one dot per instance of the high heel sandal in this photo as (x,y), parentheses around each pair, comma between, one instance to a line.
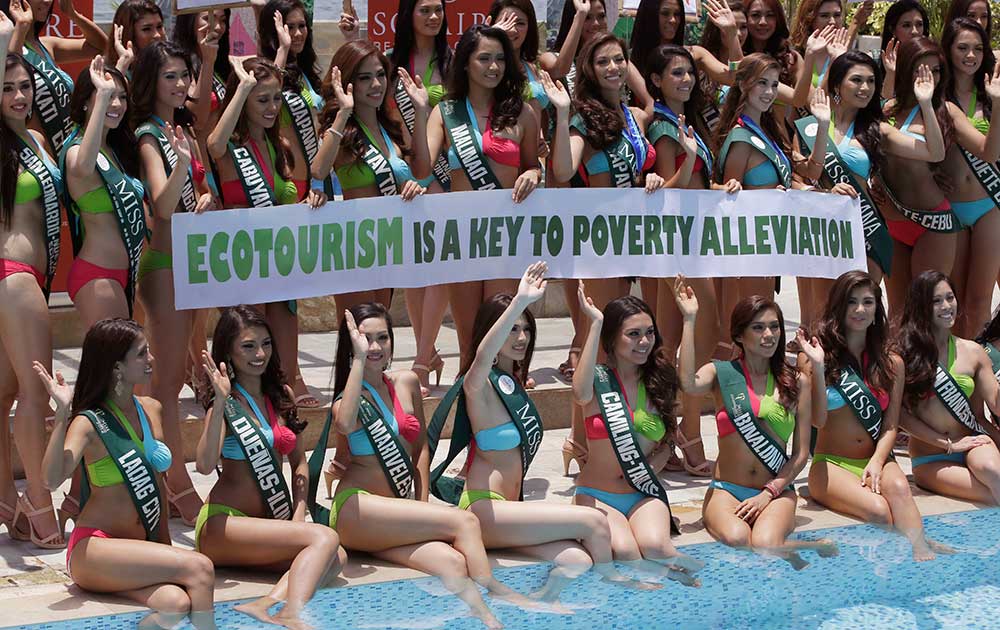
(306,400)
(437,366)
(69,510)
(175,510)
(7,518)
(568,367)
(703,469)
(571,450)
(334,471)
(26,509)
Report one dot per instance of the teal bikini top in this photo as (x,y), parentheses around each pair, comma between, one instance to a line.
(856,158)
(534,89)
(499,438)
(905,129)
(761,175)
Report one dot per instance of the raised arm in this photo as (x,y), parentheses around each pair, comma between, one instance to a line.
(329,146)
(932,149)
(889,66)
(422,160)
(6,35)
(583,377)
(693,383)
(415,89)
(66,49)
(213,432)
(811,351)
(219,138)
(64,450)
(558,65)
(165,192)
(124,50)
(345,410)
(819,105)
(83,162)
(284,40)
(986,148)
(208,51)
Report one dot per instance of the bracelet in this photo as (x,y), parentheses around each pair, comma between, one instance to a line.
(950,445)
(339,134)
(734,65)
(771,490)
(319,184)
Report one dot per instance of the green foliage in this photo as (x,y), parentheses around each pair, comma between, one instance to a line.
(936,10)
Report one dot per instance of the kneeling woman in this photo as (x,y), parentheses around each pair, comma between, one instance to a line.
(372,511)
(636,505)
(121,544)
(863,395)
(491,387)
(751,501)
(250,520)
(953,453)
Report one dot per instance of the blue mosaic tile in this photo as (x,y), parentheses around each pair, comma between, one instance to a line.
(873,583)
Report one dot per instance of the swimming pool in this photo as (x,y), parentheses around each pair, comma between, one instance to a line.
(873,583)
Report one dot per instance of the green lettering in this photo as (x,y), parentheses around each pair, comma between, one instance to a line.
(284,250)
(242,255)
(617,225)
(847,243)
(805,238)
(710,238)
(332,252)
(513,225)
(555,236)
(652,243)
(263,240)
(218,257)
(537,228)
(779,227)
(729,248)
(477,237)
(686,224)
(581,233)
(760,235)
(496,236)
(366,243)
(196,258)
(635,235)
(599,233)
(746,247)
(390,239)
(308,248)
(451,248)
(834,238)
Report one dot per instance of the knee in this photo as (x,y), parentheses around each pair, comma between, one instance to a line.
(324,540)
(654,547)
(173,600)
(896,487)
(199,571)
(878,510)
(452,564)
(768,539)
(598,528)
(574,562)
(467,525)
(733,536)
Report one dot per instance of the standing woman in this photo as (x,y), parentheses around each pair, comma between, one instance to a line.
(972,87)
(53,86)
(204,37)
(29,249)
(174,175)
(517,19)
(751,501)
(768,33)
(250,518)
(952,452)
(484,96)
(904,20)
(864,392)
(719,45)
(120,542)
(390,517)
(136,25)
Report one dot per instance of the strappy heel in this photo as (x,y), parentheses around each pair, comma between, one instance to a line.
(26,509)
(571,450)
(703,469)
(175,510)
(8,518)
(436,366)
(334,471)
(69,510)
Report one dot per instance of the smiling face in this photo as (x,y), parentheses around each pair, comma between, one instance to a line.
(370,83)
(117,106)
(741,26)
(933,62)
(521,25)
(761,337)
(910,25)
(515,347)
(857,88)
(487,63)
(220,21)
(137,366)
(861,308)
(828,13)
(677,80)
(671,18)
(966,53)
(610,66)
(980,12)
(762,21)
(173,83)
(146,30)
(635,340)
(376,330)
(298,29)
(18,92)
(251,352)
(428,16)
(596,22)
(264,102)
(945,306)
(764,90)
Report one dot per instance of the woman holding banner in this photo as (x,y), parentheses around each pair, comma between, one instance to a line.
(136,25)
(251,519)
(631,397)
(121,542)
(485,111)
(388,515)
(52,98)
(952,452)
(863,395)
(174,175)
(29,234)
(751,501)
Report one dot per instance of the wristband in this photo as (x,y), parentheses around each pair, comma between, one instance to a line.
(769,486)
(339,134)
(319,184)
(734,65)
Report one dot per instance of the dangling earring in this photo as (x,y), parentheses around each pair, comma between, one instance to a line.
(836,98)
(119,385)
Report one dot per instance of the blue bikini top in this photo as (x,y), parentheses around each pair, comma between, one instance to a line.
(761,175)
(906,125)
(231,445)
(502,437)
(856,158)
(358,441)
(536,89)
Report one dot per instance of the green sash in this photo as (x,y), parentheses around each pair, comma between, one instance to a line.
(521,410)
(955,400)
(154,128)
(945,222)
(53,89)
(463,134)
(621,157)
(861,400)
(258,192)
(748,136)
(986,174)
(302,123)
(667,124)
(265,466)
(130,458)
(126,199)
(994,356)
(736,399)
(394,460)
(385,180)
(34,164)
(618,421)
(878,242)
(319,513)
(440,170)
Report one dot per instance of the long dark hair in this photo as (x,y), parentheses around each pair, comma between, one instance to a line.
(711,37)
(646,36)
(868,119)
(342,362)
(602,119)
(232,321)
(777,44)
(529,49)
(185,35)
(508,94)
(267,37)
(9,162)
(566,20)
(487,315)
(261,69)
(833,338)
(896,11)
(951,32)
(784,375)
(916,335)
(406,41)
(906,68)
(750,70)
(659,60)
(348,59)
(127,14)
(960,9)
(121,139)
(990,332)
(107,342)
(147,72)
(658,374)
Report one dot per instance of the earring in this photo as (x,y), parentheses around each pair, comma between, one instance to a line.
(496,360)
(119,385)
(836,98)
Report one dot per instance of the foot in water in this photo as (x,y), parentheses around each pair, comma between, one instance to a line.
(798,562)
(258,609)
(941,548)
(290,618)
(826,548)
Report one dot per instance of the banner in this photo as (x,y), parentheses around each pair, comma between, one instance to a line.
(289,252)
(461,15)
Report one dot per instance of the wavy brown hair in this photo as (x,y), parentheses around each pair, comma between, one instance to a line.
(750,70)
(833,338)
(658,61)
(602,119)
(106,343)
(658,374)
(868,119)
(805,15)
(121,139)
(507,95)
(784,375)
(126,15)
(909,57)
(951,32)
(303,64)
(897,10)
(915,339)
(777,45)
(487,315)
(261,69)
(349,58)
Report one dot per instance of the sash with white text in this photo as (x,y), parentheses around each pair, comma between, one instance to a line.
(736,399)
(264,464)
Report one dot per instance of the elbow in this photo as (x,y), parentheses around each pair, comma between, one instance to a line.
(203,466)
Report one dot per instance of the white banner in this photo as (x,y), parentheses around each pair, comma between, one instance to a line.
(273,254)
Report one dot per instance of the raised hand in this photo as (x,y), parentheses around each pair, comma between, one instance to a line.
(817,43)
(208,38)
(581,6)
(245,78)
(284,36)
(359,342)
(57,388)
(345,100)
(863,13)
(179,141)
(102,80)
(838,43)
(556,91)
(532,285)
(721,15)
(124,50)
(67,9)
(923,84)
(349,22)
(810,347)
(687,301)
(20,10)
(587,307)
(6,28)
(507,23)
(686,137)
(819,105)
(889,55)
(993,83)
(218,376)
(414,88)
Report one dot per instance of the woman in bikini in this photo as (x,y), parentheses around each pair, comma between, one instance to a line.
(174,173)
(248,520)
(952,447)
(136,25)
(29,249)
(120,543)
(484,91)
(204,37)
(751,501)
(853,470)
(375,513)
(904,20)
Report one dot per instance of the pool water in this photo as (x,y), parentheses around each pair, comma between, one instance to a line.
(873,583)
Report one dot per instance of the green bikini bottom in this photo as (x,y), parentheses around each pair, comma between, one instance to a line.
(471,496)
(338,502)
(207,511)
(853,466)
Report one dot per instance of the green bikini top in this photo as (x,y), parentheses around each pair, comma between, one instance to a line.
(104,472)
(775,414)
(966,383)
(648,425)
(98,200)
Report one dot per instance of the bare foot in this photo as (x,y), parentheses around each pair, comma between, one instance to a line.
(637,585)
(258,609)
(489,619)
(290,619)
(683,577)
(940,547)
(922,553)
(686,563)
(797,562)
(827,548)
